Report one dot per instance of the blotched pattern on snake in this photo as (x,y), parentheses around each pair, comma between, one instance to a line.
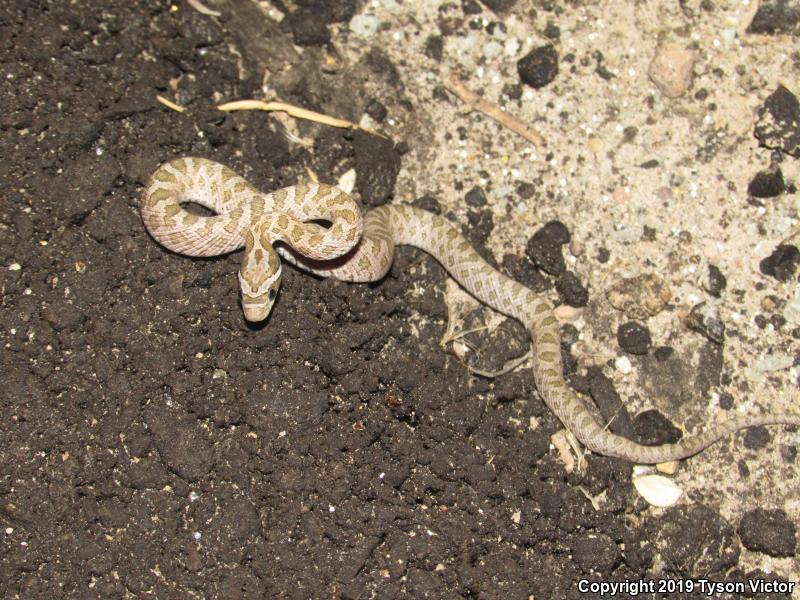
(360,249)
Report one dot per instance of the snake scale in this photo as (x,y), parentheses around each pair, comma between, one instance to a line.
(286,223)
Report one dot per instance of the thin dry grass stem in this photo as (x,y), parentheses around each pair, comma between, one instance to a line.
(293,111)
(202,8)
(170,104)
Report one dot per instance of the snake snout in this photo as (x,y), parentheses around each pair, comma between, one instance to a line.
(257,306)
(256,312)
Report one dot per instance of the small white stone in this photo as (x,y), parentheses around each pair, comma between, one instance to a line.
(364,25)
(15,266)
(347,182)
(623,365)
(657,490)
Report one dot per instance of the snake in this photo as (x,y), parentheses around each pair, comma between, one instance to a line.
(320,229)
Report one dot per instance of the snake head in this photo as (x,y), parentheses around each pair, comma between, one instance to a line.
(257,303)
(259,278)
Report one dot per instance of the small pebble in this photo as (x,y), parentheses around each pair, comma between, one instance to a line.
(705,319)
(716,282)
(475,198)
(539,67)
(364,25)
(782,263)
(571,290)
(756,438)
(499,6)
(671,69)
(640,297)
(634,338)
(471,7)
(434,47)
(767,183)
(778,122)
(668,468)
(776,16)
(623,365)
(376,110)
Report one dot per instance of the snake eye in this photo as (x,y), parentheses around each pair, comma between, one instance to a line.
(272,293)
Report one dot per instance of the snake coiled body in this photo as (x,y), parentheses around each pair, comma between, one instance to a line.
(359,249)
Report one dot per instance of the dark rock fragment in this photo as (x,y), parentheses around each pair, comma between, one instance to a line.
(571,290)
(782,263)
(716,282)
(539,67)
(768,531)
(476,197)
(776,16)
(634,338)
(767,183)
(544,247)
(778,122)
(705,320)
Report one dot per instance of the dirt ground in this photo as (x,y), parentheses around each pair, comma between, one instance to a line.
(155,445)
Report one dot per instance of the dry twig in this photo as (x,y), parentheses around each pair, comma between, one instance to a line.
(475,102)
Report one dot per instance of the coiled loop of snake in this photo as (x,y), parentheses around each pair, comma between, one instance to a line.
(246,217)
